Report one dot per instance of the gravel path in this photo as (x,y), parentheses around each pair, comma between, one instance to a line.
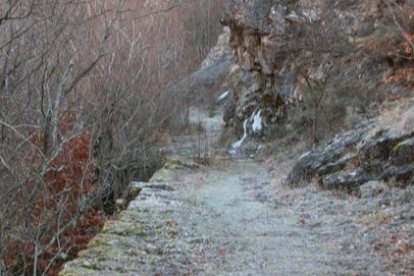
(237,218)
(248,235)
(219,221)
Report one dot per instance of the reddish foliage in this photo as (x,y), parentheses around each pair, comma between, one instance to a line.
(407,46)
(74,240)
(70,177)
(397,50)
(404,75)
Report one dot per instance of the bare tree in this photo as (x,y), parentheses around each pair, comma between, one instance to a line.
(82,94)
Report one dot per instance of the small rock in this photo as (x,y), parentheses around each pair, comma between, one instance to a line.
(150,248)
(348,181)
(365,29)
(87,264)
(120,204)
(372,189)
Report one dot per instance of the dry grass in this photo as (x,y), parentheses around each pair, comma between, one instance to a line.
(397,117)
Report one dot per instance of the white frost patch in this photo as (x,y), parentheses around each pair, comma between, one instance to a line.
(257,122)
(148,199)
(304,155)
(223,96)
(310,15)
(237,144)
(259,148)
(337,139)
(293,16)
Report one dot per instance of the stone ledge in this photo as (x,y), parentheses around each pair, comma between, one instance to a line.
(142,236)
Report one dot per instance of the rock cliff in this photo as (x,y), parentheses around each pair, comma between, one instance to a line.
(302,52)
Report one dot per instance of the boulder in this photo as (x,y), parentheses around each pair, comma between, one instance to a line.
(346,181)
(372,151)
(328,158)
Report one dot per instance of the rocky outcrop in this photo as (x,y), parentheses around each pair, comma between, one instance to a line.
(253,83)
(328,158)
(381,149)
(283,48)
(221,51)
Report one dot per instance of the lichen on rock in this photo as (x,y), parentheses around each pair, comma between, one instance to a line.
(371,152)
(143,235)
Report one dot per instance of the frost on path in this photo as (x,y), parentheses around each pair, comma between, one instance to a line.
(218,221)
(235,218)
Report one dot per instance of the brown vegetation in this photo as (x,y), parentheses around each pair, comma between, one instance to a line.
(82,91)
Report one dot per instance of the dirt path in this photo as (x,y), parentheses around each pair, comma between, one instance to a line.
(248,236)
(234,218)
(249,229)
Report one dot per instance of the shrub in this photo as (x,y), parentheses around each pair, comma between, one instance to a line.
(82,91)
